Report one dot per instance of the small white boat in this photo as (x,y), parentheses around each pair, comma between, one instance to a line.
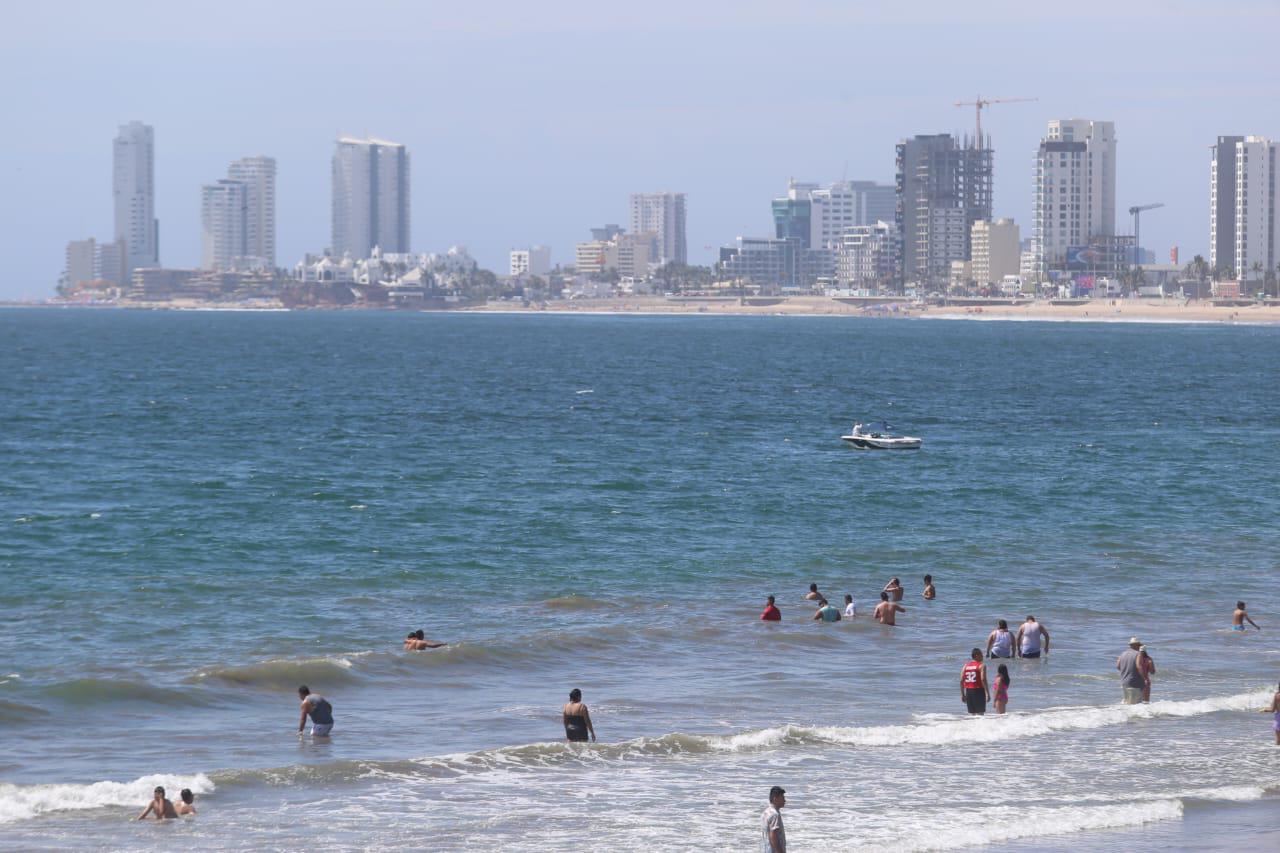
(876,436)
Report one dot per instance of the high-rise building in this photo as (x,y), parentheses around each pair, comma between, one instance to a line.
(535,260)
(943,187)
(258,174)
(819,216)
(1075,183)
(995,247)
(370,197)
(1243,236)
(134,189)
(81,255)
(662,214)
(868,255)
(223,224)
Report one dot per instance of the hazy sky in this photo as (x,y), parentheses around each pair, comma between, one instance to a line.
(531,122)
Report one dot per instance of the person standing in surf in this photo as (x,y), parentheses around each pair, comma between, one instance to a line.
(974,690)
(771,613)
(1131,678)
(887,611)
(930,591)
(826,612)
(1030,634)
(1275,709)
(812,594)
(775,835)
(318,709)
(894,588)
(1002,688)
(1240,617)
(850,609)
(577,719)
(1000,641)
(1147,667)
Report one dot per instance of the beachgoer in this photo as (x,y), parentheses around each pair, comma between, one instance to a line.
(1275,709)
(826,612)
(1000,641)
(187,806)
(974,690)
(318,709)
(1147,667)
(1240,617)
(887,611)
(1002,687)
(894,588)
(771,612)
(418,642)
(1131,678)
(930,591)
(1030,633)
(812,594)
(577,719)
(774,836)
(850,609)
(159,806)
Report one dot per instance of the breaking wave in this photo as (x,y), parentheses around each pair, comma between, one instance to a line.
(284,674)
(20,802)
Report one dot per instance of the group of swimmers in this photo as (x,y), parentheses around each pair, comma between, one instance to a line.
(165,809)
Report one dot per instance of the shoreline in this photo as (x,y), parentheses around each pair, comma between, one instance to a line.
(1167,311)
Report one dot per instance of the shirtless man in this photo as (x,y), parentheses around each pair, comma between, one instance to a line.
(187,806)
(930,591)
(1240,617)
(417,642)
(887,611)
(813,594)
(1030,633)
(160,806)
(894,588)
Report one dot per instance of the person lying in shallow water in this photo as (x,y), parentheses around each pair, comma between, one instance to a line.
(417,642)
(160,806)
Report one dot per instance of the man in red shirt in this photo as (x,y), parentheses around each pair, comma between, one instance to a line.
(771,612)
(974,691)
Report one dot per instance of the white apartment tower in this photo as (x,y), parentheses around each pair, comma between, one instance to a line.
(223,224)
(996,249)
(134,190)
(535,260)
(258,174)
(844,205)
(370,197)
(662,214)
(1242,207)
(1075,183)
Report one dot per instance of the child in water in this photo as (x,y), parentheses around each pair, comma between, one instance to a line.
(1002,688)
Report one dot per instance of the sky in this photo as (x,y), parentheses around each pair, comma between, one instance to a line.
(529,123)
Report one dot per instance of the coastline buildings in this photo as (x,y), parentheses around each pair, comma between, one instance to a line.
(818,216)
(868,256)
(1242,207)
(996,250)
(535,260)
(238,217)
(627,254)
(942,188)
(776,264)
(370,197)
(134,189)
(1075,192)
(662,214)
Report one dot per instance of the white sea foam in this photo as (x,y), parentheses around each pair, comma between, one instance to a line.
(21,802)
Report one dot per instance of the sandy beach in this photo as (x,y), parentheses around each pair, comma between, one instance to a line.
(1119,310)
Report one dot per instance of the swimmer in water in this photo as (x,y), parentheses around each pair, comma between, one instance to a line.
(1240,617)
(160,806)
(417,642)
(894,588)
(812,594)
(577,719)
(887,611)
(187,806)
(826,612)
(771,613)
(930,591)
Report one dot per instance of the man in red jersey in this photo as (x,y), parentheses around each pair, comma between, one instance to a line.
(974,691)
(771,612)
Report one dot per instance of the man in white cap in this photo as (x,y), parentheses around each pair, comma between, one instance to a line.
(1131,677)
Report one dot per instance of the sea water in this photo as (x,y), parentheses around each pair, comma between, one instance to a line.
(201,512)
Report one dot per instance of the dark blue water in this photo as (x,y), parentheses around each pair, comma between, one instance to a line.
(201,510)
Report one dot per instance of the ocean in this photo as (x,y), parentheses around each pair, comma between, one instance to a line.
(204,510)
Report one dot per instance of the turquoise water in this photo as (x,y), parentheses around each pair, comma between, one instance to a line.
(203,510)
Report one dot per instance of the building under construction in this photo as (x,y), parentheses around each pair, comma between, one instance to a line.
(943,187)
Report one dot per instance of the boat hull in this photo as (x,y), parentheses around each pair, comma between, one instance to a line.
(864,442)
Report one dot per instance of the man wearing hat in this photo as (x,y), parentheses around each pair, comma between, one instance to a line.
(1131,677)
(775,837)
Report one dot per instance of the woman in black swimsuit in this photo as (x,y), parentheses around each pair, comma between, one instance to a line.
(577,719)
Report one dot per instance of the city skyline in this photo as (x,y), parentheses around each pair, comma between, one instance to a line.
(682,138)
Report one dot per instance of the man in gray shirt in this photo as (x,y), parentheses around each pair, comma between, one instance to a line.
(775,837)
(1131,677)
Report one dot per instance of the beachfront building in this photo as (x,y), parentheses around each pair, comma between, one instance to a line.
(867,257)
(91,261)
(943,186)
(776,265)
(994,247)
(1075,190)
(370,197)
(535,260)
(133,184)
(663,215)
(818,216)
(627,254)
(258,174)
(222,224)
(1243,237)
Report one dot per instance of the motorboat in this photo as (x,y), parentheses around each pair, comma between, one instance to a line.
(878,436)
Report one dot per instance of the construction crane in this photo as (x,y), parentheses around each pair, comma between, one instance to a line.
(1136,213)
(980,102)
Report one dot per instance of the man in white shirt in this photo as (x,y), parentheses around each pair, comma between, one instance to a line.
(850,609)
(1030,633)
(775,837)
